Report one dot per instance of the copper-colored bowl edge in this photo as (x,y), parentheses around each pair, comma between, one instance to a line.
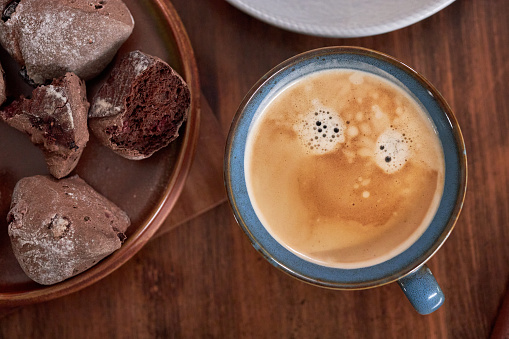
(167,201)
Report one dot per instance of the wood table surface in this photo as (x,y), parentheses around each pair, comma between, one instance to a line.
(203,279)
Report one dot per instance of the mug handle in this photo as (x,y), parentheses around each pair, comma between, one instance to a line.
(422,290)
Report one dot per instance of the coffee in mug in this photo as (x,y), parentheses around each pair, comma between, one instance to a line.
(347,169)
(344,168)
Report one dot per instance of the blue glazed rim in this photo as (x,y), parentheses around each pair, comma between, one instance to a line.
(455,174)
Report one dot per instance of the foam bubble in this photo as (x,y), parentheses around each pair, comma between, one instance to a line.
(357,78)
(391,151)
(379,114)
(321,130)
(352,131)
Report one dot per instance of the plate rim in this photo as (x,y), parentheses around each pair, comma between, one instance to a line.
(337,31)
(167,200)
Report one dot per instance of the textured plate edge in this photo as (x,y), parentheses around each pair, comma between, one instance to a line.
(337,32)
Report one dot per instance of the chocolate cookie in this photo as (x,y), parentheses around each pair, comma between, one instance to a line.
(55,118)
(52,37)
(141,107)
(2,86)
(60,228)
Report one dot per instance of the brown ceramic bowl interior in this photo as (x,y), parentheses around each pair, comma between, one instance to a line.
(147,190)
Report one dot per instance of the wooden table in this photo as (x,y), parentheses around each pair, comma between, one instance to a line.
(204,279)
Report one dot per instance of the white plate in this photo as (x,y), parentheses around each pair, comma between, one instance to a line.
(341,18)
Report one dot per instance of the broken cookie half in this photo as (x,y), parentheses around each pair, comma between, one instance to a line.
(60,228)
(141,106)
(55,118)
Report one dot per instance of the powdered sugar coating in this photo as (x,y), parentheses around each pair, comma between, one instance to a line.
(140,62)
(61,101)
(53,37)
(61,228)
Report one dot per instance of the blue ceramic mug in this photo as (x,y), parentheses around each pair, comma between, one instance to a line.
(407,268)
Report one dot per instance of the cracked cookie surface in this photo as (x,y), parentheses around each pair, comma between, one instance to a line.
(60,228)
(55,118)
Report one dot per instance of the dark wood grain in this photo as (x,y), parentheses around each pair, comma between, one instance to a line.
(204,279)
(501,327)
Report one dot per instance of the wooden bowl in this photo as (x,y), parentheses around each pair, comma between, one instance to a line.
(147,189)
